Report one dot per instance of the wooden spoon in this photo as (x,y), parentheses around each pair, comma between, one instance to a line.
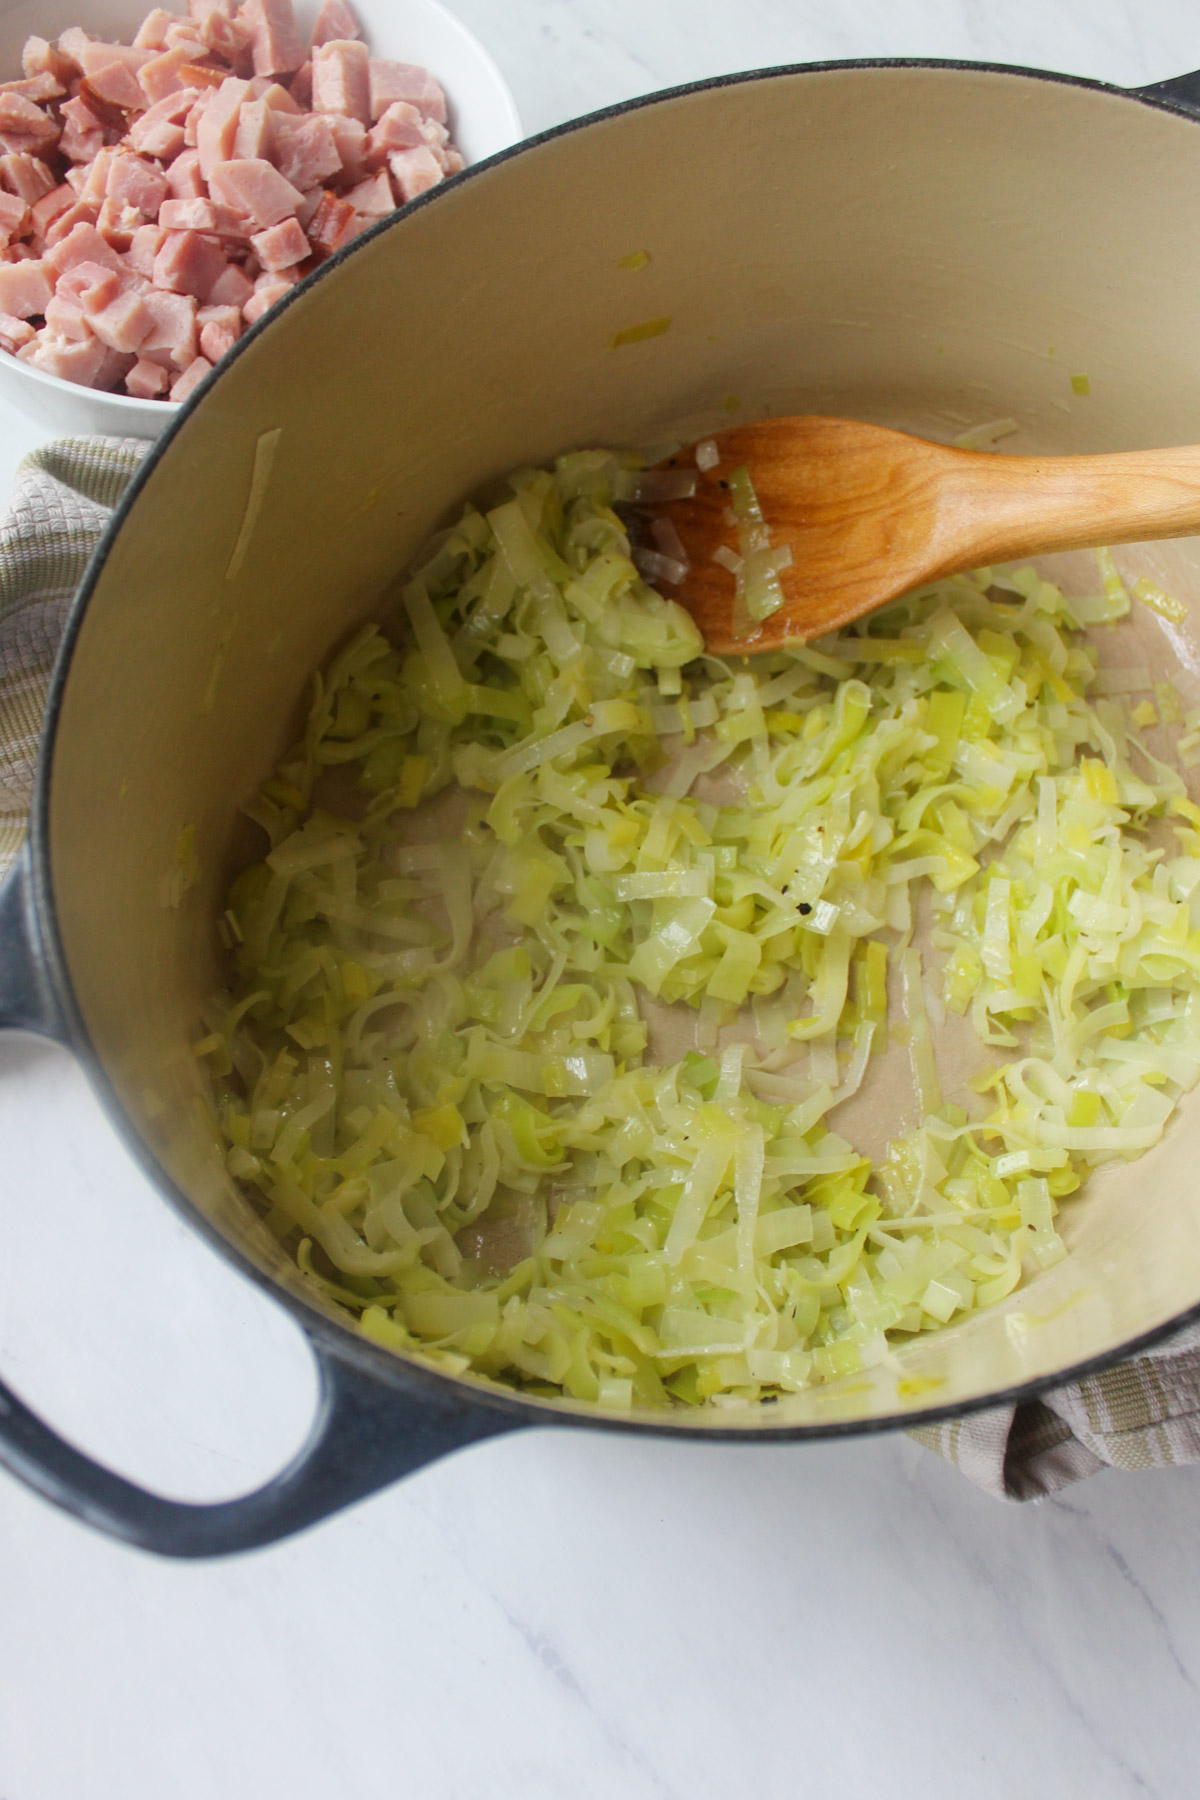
(870,513)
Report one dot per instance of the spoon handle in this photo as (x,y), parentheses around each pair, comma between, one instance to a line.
(992,509)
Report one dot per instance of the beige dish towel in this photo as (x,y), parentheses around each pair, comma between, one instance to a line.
(1142,1415)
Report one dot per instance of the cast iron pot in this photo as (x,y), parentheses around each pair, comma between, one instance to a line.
(903,242)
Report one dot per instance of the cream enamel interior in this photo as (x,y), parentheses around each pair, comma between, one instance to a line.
(898,244)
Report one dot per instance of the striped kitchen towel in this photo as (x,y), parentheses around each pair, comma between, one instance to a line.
(1141,1415)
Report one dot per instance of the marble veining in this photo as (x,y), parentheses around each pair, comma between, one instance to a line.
(557,1616)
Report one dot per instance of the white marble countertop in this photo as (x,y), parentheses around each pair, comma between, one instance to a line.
(559,1616)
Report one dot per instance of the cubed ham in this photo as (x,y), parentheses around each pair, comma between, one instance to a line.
(146,380)
(116,85)
(391,81)
(14,219)
(280,246)
(220,329)
(331,225)
(24,118)
(372,199)
(97,56)
(350,135)
(160,77)
(26,176)
(306,150)
(135,182)
(14,333)
(202,215)
(255,133)
(401,127)
(84,212)
(171,340)
(80,360)
(335,20)
(65,317)
(188,263)
(413,172)
(275,44)
(264,298)
(191,378)
(83,132)
(95,186)
(184,34)
(300,86)
(216,131)
(204,74)
(253,188)
(341,79)
(144,246)
(82,244)
(227,37)
(35,87)
(117,223)
(41,58)
(51,206)
(184,178)
(233,287)
(72,45)
(151,33)
(123,323)
(172,109)
(277,97)
(86,279)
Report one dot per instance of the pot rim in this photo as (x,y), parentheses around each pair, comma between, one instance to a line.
(388,1367)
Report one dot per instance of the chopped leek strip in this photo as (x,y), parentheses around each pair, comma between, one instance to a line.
(432,1068)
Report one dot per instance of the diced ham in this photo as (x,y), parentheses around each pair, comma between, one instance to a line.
(35,88)
(277,97)
(144,246)
(401,127)
(413,172)
(331,225)
(78,360)
(25,289)
(172,338)
(216,131)
(96,185)
(146,380)
(192,376)
(184,178)
(84,212)
(341,79)
(372,199)
(391,81)
(264,298)
(24,118)
(335,20)
(117,223)
(65,317)
(82,244)
(220,329)
(25,176)
(160,77)
(151,33)
(14,218)
(135,182)
(255,133)
(86,279)
(300,86)
(123,323)
(72,45)
(41,58)
(227,37)
(51,206)
(253,188)
(306,150)
(13,333)
(281,245)
(204,74)
(97,56)
(83,132)
(350,136)
(232,287)
(188,263)
(184,34)
(275,43)
(202,215)
(116,85)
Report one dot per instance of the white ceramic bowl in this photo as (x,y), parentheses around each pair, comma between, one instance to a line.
(483,119)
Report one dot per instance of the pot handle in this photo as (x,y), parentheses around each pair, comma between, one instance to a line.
(367,1433)
(1182,91)
(365,1436)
